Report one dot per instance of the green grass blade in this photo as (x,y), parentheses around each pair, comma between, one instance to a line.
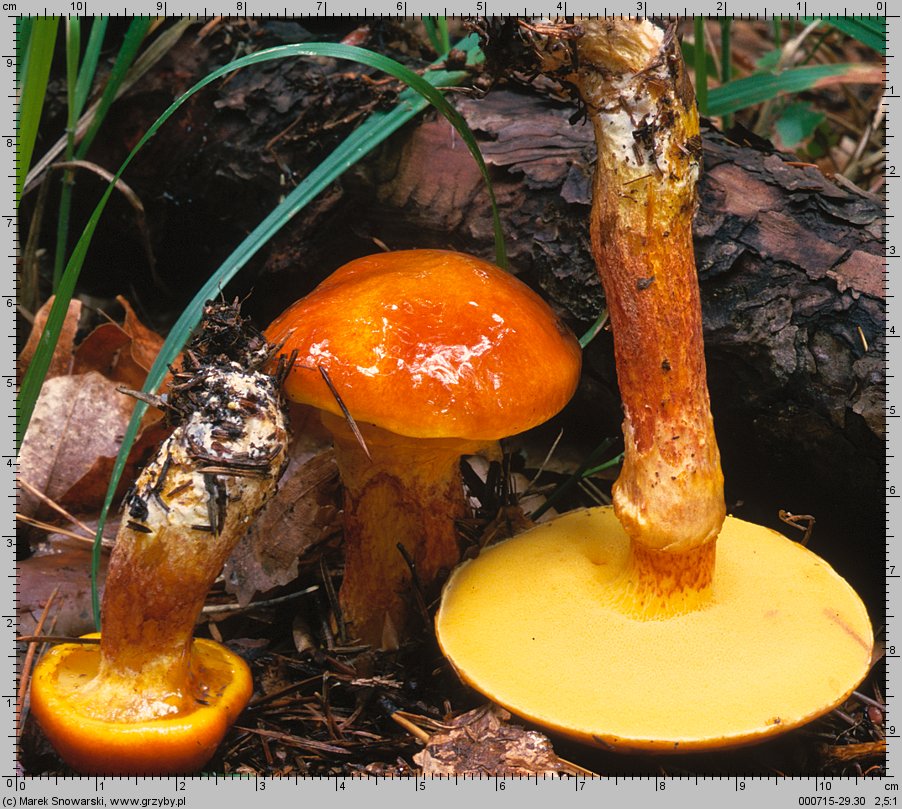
(131,43)
(444,36)
(726,50)
(432,33)
(594,330)
(88,68)
(726,60)
(617,459)
(80,79)
(760,87)
(688,50)
(437,31)
(701,66)
(73,52)
(35,72)
(870,31)
(23,34)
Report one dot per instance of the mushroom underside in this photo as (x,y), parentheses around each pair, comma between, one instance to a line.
(541,624)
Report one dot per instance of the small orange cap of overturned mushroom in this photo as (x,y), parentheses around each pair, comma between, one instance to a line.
(430,343)
(92,740)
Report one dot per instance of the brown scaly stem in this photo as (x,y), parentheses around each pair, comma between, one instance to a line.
(669,496)
(408,492)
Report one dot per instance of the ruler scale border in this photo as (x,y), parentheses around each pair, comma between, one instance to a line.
(182,791)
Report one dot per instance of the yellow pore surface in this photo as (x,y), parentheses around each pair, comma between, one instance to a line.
(178,743)
(532,623)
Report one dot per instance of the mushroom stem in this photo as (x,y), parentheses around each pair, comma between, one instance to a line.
(159,577)
(188,509)
(408,492)
(669,496)
(152,699)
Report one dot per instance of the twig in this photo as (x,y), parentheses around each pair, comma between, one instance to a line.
(55,506)
(417,584)
(795,519)
(347,414)
(213,609)
(131,197)
(29,659)
(869,700)
(850,752)
(55,529)
(208,27)
(55,639)
(296,741)
(528,489)
(334,603)
(848,171)
(414,730)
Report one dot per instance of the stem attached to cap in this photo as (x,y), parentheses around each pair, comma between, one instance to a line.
(152,699)
(669,496)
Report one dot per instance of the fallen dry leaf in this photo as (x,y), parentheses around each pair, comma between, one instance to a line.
(146,343)
(80,418)
(61,362)
(121,353)
(76,420)
(64,563)
(303,513)
(89,491)
(481,742)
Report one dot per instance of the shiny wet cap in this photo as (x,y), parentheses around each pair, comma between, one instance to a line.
(430,343)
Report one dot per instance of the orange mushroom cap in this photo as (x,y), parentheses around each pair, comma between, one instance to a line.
(94,744)
(430,343)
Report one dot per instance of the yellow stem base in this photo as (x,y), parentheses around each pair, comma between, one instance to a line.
(662,584)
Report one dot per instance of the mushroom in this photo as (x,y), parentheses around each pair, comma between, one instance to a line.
(622,627)
(149,699)
(435,354)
